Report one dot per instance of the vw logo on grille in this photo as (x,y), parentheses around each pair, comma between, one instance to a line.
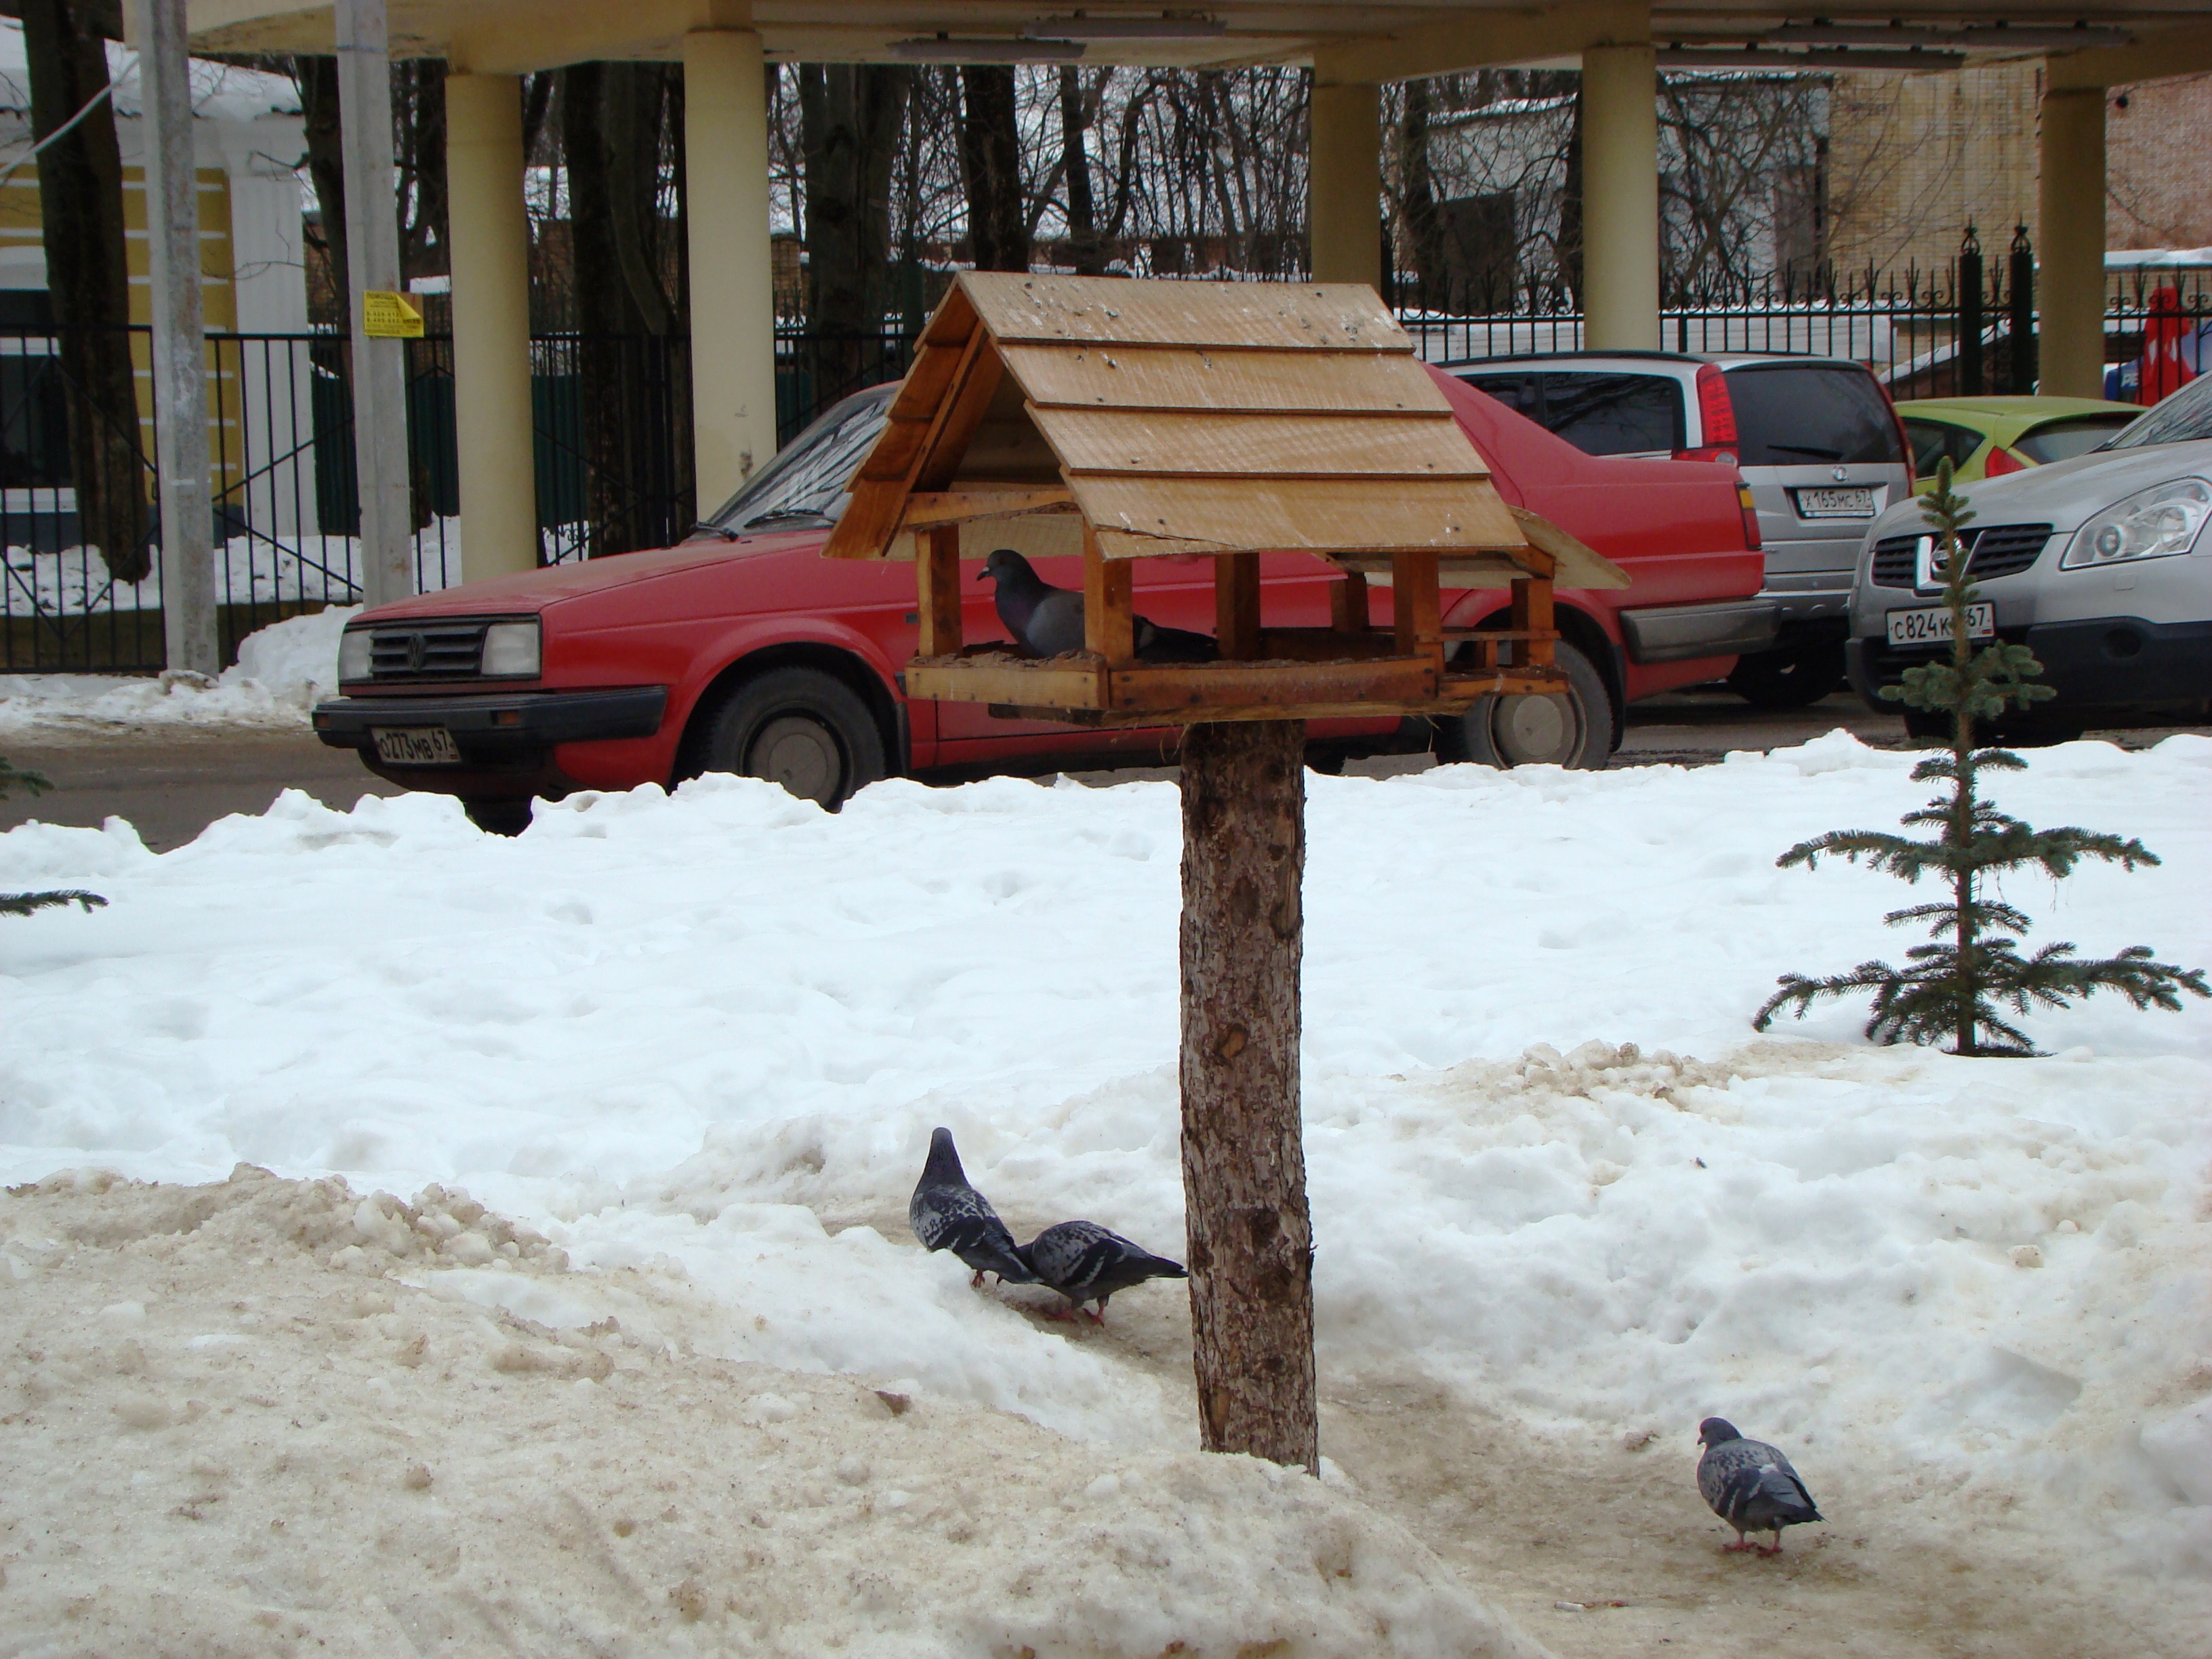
(1840,473)
(418,649)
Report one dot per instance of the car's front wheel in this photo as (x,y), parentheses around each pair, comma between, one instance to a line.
(503,816)
(801,728)
(1573,727)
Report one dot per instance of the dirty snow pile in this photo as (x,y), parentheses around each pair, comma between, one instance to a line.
(282,671)
(295,1452)
(704,1038)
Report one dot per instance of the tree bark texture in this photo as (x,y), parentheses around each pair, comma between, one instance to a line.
(991,166)
(851,118)
(1244,1161)
(317,78)
(81,213)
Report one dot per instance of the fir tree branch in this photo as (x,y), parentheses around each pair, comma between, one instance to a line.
(22,904)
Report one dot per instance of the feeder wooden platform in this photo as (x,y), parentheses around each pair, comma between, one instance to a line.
(1121,420)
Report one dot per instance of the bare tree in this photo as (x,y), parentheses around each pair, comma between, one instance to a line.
(991,166)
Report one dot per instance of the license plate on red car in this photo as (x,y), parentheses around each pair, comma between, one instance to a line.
(415,745)
(1933,625)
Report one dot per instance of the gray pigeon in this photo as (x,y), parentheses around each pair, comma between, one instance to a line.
(946,1213)
(1084,1262)
(1048,621)
(1751,1485)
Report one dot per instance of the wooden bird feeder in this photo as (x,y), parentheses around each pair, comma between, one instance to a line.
(1124,420)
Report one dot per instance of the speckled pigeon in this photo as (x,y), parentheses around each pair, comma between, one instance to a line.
(1084,1262)
(946,1213)
(1048,621)
(1751,1485)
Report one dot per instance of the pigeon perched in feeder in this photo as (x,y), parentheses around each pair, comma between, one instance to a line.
(946,1213)
(1085,1262)
(1048,621)
(1751,1485)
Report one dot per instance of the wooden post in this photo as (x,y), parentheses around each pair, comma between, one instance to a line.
(1244,1161)
(937,581)
(1348,611)
(1108,623)
(1416,606)
(1236,605)
(1532,609)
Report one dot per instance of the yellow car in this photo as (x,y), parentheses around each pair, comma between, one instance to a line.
(1988,437)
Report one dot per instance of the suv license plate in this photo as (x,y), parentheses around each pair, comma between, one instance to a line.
(414,746)
(1933,627)
(1835,503)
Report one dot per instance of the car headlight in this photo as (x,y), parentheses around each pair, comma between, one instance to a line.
(2151,523)
(511,650)
(353,654)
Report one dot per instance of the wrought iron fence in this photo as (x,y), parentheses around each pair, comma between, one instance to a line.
(613,438)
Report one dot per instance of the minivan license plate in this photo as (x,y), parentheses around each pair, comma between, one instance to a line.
(415,745)
(1835,503)
(1933,626)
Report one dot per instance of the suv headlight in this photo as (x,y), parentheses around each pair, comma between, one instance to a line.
(2149,524)
(353,654)
(510,651)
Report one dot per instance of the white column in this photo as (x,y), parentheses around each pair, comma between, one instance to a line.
(269,291)
(2070,245)
(1621,199)
(732,280)
(1343,185)
(491,325)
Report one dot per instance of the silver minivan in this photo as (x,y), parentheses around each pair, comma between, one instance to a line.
(1815,438)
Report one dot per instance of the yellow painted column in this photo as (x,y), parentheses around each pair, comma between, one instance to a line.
(1343,185)
(491,324)
(2070,244)
(1621,199)
(732,280)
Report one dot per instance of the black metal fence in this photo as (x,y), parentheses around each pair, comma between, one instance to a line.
(614,446)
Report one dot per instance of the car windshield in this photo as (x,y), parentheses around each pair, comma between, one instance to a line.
(1807,414)
(804,487)
(2061,440)
(2186,416)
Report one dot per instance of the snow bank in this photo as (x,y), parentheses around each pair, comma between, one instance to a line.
(282,671)
(1552,1172)
(289,1447)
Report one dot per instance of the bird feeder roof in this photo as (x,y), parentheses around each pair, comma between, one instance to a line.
(1179,418)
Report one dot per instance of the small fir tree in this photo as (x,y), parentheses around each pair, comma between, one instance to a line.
(21,904)
(1954,988)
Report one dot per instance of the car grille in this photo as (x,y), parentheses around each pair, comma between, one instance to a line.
(2003,549)
(427,651)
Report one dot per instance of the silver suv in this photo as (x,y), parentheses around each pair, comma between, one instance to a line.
(1815,438)
(2101,565)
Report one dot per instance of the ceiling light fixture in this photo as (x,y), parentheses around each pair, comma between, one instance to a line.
(1190,26)
(946,49)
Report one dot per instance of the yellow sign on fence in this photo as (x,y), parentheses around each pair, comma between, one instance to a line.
(390,317)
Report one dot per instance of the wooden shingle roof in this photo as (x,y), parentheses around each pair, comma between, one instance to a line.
(1178,418)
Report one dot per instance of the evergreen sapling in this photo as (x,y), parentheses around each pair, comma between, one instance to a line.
(1955,987)
(22,904)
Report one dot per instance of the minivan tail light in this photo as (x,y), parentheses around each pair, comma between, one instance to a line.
(1750,517)
(1716,409)
(1725,457)
(2001,461)
(1904,438)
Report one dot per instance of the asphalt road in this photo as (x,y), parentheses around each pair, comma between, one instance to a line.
(173,783)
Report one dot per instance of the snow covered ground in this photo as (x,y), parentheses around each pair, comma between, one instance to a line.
(1555,1177)
(282,671)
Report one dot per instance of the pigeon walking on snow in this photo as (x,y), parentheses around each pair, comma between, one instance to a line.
(1048,621)
(1084,1262)
(946,1213)
(1751,1485)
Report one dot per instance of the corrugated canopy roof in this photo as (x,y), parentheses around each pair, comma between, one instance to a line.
(1179,418)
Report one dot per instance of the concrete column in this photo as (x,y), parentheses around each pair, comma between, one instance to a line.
(1343,185)
(2070,244)
(732,279)
(1621,199)
(491,324)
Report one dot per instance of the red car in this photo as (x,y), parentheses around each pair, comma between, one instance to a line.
(745,650)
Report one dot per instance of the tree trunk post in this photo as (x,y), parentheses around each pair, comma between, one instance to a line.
(1244,1161)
